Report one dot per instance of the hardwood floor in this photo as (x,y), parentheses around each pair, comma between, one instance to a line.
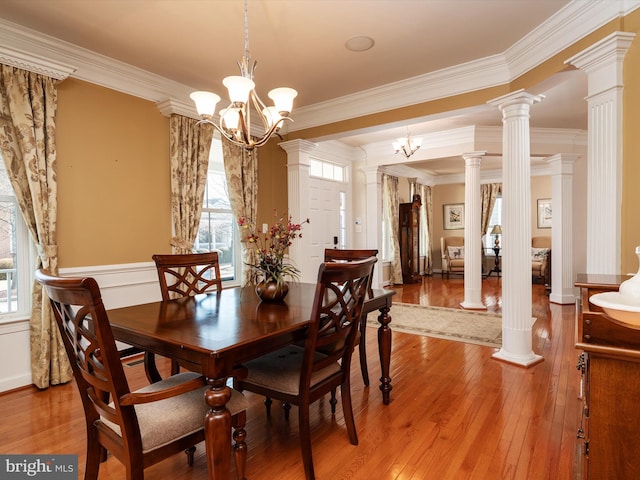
(455,412)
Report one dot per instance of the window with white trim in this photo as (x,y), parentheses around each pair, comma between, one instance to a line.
(218,228)
(17,255)
(496,219)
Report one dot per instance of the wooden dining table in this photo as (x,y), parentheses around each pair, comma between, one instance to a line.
(215,333)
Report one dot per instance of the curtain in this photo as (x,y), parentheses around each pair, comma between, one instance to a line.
(391,203)
(241,170)
(189,146)
(28,104)
(488,192)
(426,223)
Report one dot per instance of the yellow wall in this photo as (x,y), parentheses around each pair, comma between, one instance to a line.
(113,177)
(631,149)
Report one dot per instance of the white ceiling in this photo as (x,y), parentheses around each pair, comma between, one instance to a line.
(301,44)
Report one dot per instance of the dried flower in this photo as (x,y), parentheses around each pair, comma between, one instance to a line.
(270,247)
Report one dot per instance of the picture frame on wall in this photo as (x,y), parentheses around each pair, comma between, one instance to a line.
(453,216)
(544,213)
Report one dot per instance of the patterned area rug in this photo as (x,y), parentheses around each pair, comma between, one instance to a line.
(480,328)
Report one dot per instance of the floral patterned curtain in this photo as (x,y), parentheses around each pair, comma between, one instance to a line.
(488,192)
(28,103)
(189,145)
(241,170)
(426,222)
(391,204)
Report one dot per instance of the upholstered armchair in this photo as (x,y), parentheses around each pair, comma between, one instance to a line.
(541,259)
(452,249)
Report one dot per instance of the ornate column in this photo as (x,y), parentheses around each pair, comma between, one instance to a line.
(374,219)
(562,228)
(516,229)
(472,233)
(602,62)
(298,187)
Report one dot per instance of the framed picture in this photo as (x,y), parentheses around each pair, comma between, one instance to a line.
(544,213)
(453,216)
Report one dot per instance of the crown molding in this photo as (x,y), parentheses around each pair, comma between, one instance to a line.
(33,50)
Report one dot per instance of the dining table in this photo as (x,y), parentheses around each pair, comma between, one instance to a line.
(215,333)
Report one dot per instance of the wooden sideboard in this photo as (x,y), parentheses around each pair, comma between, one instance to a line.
(610,365)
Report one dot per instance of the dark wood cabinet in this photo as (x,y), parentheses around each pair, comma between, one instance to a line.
(610,365)
(409,239)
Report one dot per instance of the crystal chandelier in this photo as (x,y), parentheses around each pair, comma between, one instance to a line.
(406,146)
(235,120)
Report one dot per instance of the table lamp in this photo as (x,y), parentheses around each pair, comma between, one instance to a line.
(496,231)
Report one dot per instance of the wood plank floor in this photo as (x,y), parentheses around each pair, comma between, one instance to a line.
(455,412)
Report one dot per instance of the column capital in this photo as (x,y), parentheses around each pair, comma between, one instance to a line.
(519,97)
(562,163)
(298,146)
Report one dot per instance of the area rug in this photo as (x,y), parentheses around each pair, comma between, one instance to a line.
(479,328)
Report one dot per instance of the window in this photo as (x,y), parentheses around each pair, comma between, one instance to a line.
(218,228)
(496,219)
(327,170)
(17,257)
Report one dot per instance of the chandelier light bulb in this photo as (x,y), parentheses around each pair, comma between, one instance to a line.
(239,88)
(283,99)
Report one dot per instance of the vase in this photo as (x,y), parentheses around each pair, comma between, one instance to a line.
(631,288)
(271,291)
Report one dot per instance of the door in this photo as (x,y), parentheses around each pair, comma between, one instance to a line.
(327,218)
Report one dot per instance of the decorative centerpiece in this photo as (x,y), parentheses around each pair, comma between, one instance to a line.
(623,305)
(270,248)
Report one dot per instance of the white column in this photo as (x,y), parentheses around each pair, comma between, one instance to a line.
(602,62)
(472,234)
(517,319)
(374,219)
(298,187)
(562,228)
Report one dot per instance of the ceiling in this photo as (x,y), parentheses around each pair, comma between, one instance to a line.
(301,44)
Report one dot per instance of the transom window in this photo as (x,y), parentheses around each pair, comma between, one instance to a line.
(327,170)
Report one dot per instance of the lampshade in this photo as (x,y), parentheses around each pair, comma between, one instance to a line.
(497,230)
(205,103)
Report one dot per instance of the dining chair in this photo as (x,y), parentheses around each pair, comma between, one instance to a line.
(140,427)
(182,275)
(300,375)
(333,255)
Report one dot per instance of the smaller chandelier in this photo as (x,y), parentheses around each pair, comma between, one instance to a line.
(235,120)
(406,145)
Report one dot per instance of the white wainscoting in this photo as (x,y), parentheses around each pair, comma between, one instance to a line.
(121,285)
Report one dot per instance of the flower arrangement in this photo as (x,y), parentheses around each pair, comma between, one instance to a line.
(270,247)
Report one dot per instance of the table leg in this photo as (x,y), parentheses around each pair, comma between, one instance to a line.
(384,347)
(217,429)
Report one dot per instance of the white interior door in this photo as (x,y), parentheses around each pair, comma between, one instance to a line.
(325,217)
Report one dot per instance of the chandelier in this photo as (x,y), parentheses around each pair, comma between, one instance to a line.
(406,146)
(235,120)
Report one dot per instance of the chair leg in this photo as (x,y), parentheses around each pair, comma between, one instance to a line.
(347,411)
(305,441)
(287,408)
(267,405)
(175,367)
(239,443)
(94,458)
(190,451)
(333,402)
(150,368)
(362,348)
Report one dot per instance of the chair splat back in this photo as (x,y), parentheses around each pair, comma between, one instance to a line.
(182,275)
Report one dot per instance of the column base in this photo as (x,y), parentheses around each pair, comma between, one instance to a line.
(473,305)
(522,360)
(562,299)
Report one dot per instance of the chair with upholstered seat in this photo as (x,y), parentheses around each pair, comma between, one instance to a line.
(452,249)
(182,275)
(541,259)
(140,427)
(301,375)
(336,255)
